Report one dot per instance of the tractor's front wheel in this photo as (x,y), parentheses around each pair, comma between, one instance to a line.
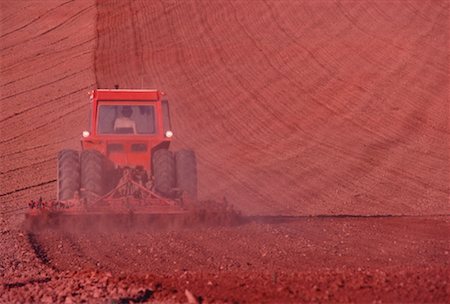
(186,165)
(92,173)
(164,172)
(68,174)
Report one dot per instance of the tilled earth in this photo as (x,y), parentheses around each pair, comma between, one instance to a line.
(293,107)
(261,259)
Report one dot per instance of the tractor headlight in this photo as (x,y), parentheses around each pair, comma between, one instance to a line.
(85,133)
(169,134)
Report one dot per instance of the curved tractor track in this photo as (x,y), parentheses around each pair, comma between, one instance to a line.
(326,122)
(296,107)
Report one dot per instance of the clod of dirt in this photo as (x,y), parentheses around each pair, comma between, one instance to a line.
(141,297)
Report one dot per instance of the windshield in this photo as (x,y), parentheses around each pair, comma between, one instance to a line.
(125,119)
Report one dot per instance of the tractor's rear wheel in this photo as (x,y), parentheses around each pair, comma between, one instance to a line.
(186,165)
(164,172)
(68,174)
(92,173)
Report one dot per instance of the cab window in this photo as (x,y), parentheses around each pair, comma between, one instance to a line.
(126,119)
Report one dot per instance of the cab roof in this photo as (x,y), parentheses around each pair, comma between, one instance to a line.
(126,94)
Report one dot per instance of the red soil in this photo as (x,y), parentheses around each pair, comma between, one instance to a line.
(294,108)
(297,108)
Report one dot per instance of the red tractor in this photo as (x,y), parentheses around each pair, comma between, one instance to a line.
(125,164)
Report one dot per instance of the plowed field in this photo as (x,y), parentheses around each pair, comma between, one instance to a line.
(324,122)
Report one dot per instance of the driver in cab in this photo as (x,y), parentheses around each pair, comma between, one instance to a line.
(125,124)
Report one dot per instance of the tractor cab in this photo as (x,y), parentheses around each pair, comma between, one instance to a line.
(127,126)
